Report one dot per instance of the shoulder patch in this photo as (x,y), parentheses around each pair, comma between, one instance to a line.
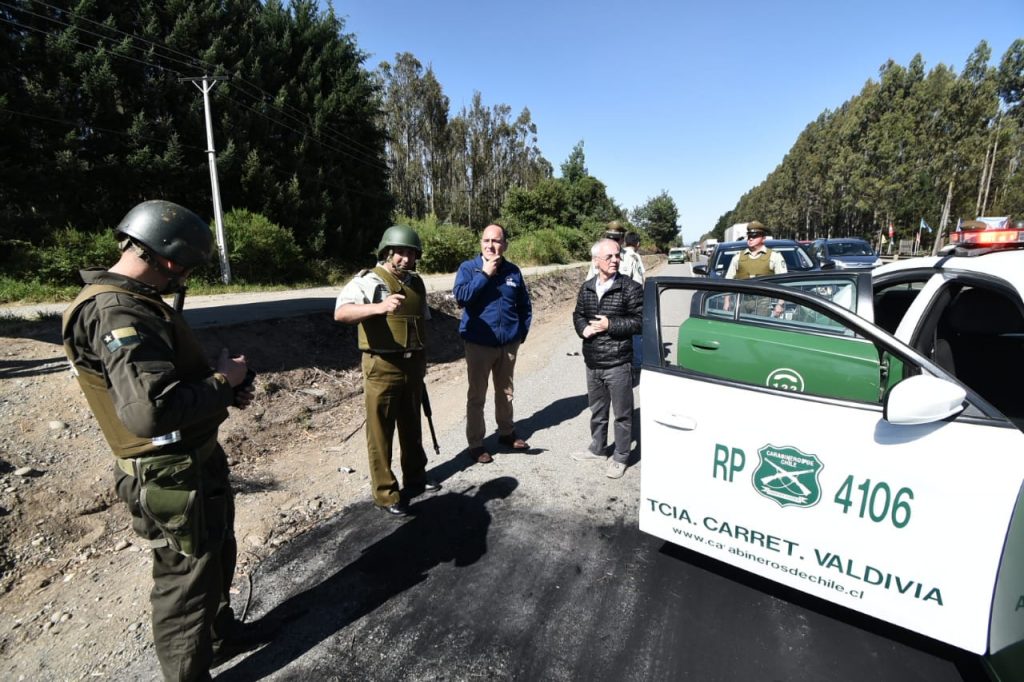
(118,338)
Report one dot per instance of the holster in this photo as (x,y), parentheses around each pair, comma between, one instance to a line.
(171,495)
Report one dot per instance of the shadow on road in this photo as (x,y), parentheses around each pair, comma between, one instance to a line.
(552,415)
(16,369)
(447,527)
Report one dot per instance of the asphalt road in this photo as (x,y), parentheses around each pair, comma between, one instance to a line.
(532,568)
(218,310)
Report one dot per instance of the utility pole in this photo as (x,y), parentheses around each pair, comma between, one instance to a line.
(208,83)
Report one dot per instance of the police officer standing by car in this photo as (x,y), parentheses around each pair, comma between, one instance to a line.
(757,260)
(159,404)
(389,303)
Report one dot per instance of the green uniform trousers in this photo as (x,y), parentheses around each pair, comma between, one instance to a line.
(393,388)
(190,599)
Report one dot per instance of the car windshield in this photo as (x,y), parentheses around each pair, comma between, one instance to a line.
(850,249)
(795,257)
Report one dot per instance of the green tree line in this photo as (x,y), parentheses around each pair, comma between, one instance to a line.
(912,145)
(95,117)
(316,155)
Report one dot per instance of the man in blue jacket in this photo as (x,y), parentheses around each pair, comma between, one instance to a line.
(496,314)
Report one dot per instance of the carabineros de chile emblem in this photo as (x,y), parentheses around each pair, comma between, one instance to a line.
(788,476)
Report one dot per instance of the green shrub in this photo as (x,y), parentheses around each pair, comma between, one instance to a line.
(70,251)
(541,247)
(576,240)
(260,251)
(445,247)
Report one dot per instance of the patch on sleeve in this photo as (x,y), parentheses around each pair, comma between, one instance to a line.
(118,338)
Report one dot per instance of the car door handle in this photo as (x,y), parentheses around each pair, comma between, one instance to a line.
(705,344)
(677,421)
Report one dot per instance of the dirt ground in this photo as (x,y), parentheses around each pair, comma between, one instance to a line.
(74,579)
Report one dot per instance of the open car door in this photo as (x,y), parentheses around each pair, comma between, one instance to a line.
(785,434)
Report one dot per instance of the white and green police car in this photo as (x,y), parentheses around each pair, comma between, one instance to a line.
(855,436)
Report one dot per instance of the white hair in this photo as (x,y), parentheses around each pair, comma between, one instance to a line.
(595,248)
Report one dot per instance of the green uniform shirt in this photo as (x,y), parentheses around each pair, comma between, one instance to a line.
(136,342)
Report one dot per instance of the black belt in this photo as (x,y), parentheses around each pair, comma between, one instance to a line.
(393,353)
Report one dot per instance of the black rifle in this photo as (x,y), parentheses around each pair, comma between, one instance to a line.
(179,299)
(430,419)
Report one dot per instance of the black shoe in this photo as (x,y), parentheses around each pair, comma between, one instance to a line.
(396,509)
(429,485)
(241,638)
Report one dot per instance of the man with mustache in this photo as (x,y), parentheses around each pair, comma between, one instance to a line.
(389,303)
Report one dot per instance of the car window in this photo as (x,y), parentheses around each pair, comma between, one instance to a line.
(892,302)
(795,257)
(978,337)
(850,249)
(722,260)
(776,342)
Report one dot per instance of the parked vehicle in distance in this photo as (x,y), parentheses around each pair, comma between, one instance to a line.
(797,259)
(677,255)
(846,252)
(707,246)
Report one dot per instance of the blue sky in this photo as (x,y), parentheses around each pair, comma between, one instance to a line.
(699,99)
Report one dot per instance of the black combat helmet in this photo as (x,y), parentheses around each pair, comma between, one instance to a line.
(169,230)
(399,235)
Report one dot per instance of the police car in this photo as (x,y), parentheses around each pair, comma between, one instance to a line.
(676,255)
(856,436)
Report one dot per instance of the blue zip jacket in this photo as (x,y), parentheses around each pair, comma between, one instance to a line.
(495,310)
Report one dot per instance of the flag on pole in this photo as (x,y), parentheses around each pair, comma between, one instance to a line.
(924,226)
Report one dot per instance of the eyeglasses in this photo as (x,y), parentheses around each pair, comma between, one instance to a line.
(610,256)
(755,235)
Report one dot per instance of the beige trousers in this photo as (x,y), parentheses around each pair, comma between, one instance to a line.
(483,362)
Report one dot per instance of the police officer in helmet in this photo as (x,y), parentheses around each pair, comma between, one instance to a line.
(389,305)
(159,404)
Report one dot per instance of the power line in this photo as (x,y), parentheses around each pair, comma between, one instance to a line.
(77,124)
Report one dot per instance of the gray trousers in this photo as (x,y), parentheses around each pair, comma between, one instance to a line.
(611,387)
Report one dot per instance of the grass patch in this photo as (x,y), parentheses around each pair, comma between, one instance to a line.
(19,292)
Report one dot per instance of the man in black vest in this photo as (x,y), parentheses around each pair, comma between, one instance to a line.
(159,404)
(389,303)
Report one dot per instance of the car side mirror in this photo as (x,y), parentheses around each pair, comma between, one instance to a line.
(923,399)
(701,270)
(828,264)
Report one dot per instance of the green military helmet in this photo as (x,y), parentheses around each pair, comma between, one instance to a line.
(615,230)
(169,230)
(399,235)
